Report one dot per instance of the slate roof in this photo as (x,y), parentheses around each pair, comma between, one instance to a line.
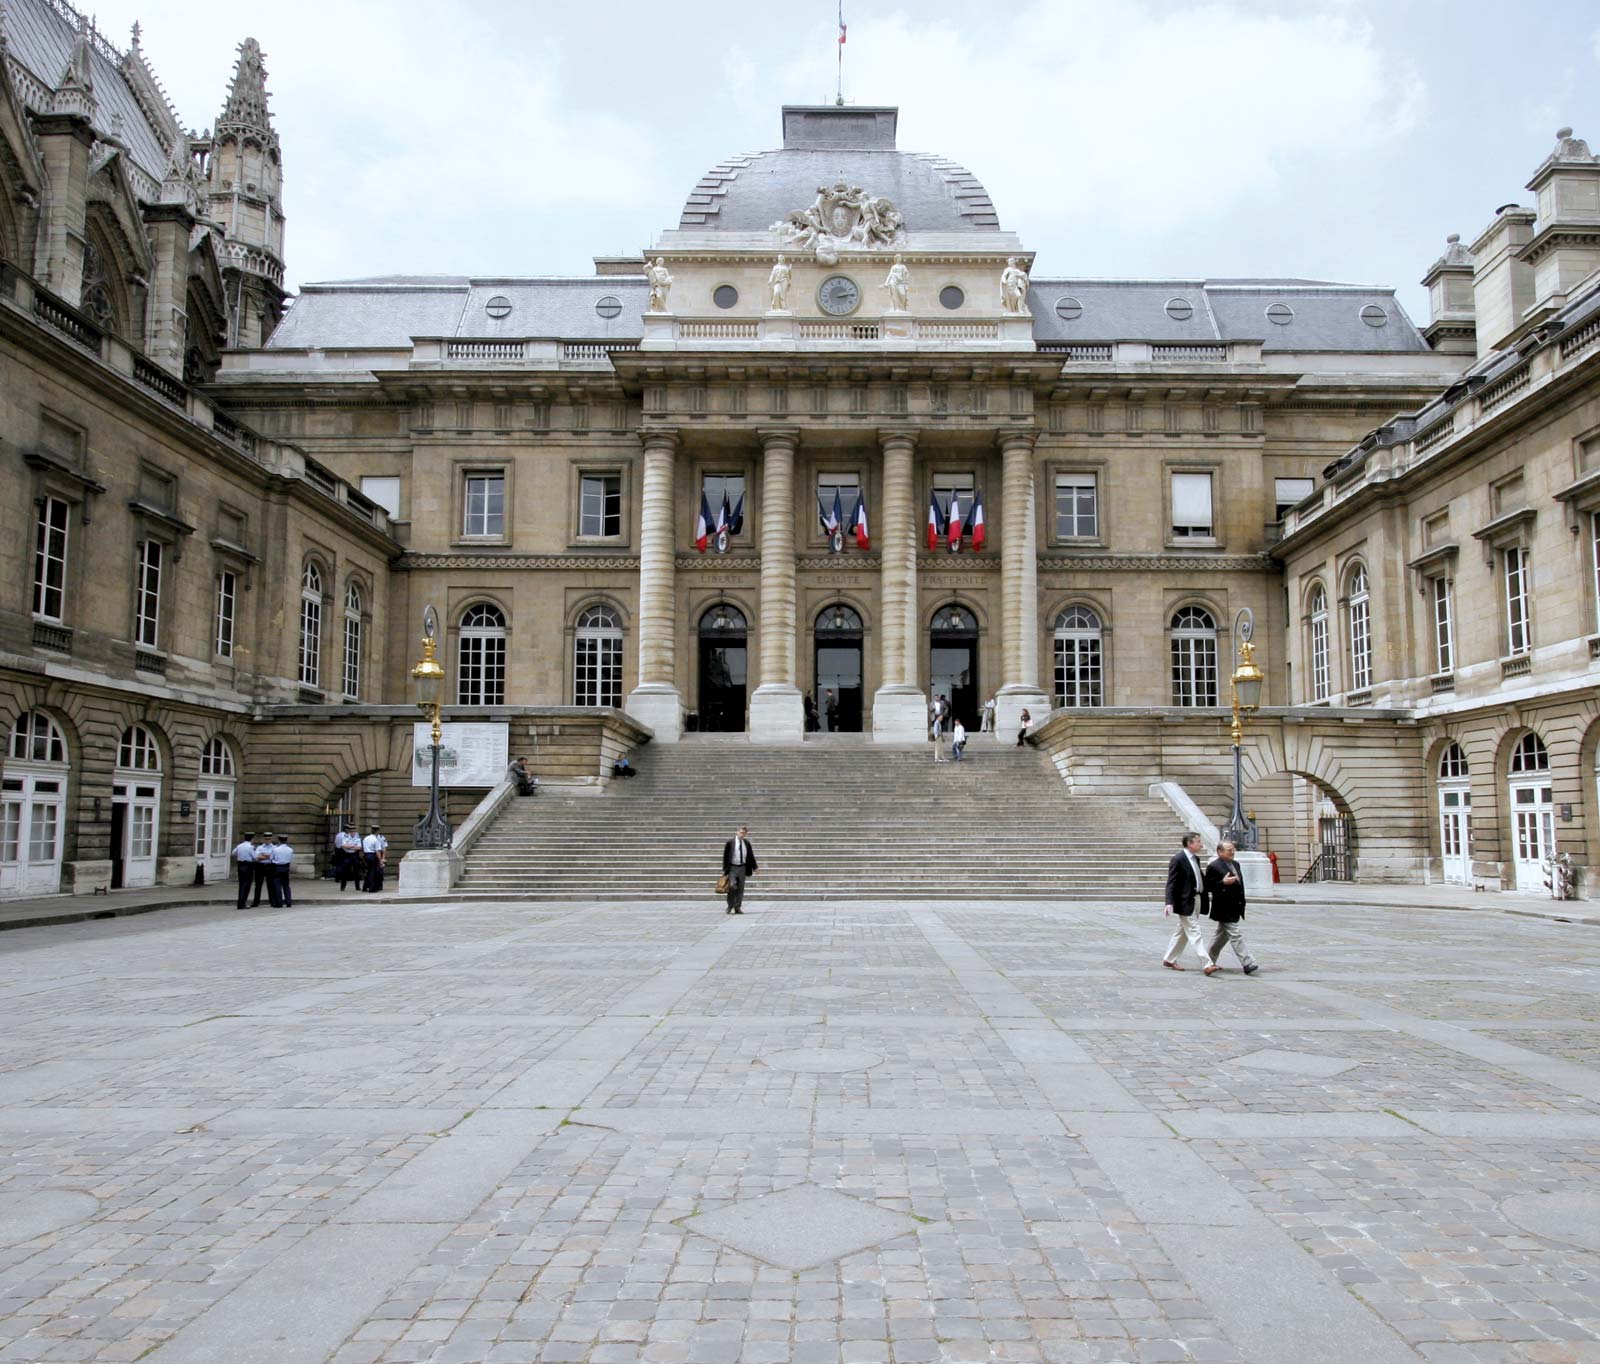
(1326,316)
(385,312)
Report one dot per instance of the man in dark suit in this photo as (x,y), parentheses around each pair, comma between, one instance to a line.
(738,862)
(1185,889)
(1224,886)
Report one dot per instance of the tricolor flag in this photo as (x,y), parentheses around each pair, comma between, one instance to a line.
(975,521)
(955,520)
(736,521)
(935,521)
(841,25)
(722,515)
(830,517)
(702,527)
(860,521)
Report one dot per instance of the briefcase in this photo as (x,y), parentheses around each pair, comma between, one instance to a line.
(722,884)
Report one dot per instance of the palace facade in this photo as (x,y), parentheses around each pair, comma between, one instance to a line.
(235,509)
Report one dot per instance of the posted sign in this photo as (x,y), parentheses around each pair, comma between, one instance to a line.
(469,754)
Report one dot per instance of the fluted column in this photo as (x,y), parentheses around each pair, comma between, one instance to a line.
(1019,587)
(899,708)
(777,713)
(655,701)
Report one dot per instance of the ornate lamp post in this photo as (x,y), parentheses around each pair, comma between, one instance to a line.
(1246,684)
(433,830)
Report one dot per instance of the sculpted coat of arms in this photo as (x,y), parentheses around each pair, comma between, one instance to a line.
(841,215)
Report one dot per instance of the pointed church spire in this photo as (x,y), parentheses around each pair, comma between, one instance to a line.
(74,93)
(245,109)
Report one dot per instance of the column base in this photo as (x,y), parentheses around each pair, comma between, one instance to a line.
(899,715)
(430,871)
(1010,702)
(659,706)
(777,715)
(1257,869)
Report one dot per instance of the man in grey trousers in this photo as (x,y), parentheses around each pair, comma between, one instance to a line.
(738,862)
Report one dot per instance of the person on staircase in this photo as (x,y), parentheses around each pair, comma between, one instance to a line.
(830,708)
(958,740)
(527,783)
(738,863)
(986,725)
(812,723)
(1022,734)
(940,710)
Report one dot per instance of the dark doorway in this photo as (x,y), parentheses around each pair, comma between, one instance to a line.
(724,669)
(838,635)
(119,841)
(953,663)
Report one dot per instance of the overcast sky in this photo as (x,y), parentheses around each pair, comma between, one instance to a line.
(1340,140)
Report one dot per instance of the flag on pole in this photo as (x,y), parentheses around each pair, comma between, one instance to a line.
(860,521)
(702,526)
(975,520)
(722,515)
(736,521)
(955,521)
(829,517)
(935,521)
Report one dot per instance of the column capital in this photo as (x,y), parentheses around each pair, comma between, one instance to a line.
(897,435)
(781,436)
(658,437)
(1017,437)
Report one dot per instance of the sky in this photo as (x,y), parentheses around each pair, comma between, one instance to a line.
(1121,138)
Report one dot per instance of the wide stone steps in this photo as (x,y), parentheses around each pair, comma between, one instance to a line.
(841,819)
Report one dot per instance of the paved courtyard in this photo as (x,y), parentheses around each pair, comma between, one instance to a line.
(496,1134)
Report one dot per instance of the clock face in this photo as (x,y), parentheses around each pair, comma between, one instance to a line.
(838,295)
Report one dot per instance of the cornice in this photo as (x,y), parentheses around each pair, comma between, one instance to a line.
(410,561)
(1161,563)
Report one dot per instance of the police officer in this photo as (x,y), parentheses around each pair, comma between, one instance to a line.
(347,861)
(263,877)
(375,848)
(282,866)
(244,866)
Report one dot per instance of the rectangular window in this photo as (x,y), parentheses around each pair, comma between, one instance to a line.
(227,598)
(1191,506)
(50,559)
(600,505)
(1518,633)
(1594,545)
(485,505)
(147,595)
(1444,626)
(1289,492)
(10,822)
(1077,506)
(384,491)
(716,487)
(1319,656)
(946,486)
(352,654)
(1360,644)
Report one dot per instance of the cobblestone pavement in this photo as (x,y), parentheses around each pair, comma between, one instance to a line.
(842,1134)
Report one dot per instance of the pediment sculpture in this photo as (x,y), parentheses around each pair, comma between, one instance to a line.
(841,215)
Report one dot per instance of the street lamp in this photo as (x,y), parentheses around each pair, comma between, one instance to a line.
(1246,684)
(433,830)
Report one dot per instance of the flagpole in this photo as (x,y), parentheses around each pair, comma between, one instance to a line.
(839,89)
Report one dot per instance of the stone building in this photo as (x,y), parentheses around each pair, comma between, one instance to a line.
(832,324)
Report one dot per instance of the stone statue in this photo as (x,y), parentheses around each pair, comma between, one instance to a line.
(660,281)
(778,282)
(1013,288)
(841,215)
(898,283)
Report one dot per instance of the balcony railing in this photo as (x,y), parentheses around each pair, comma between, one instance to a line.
(1580,340)
(1084,353)
(594,350)
(157,380)
(148,662)
(68,321)
(1210,355)
(48,636)
(1439,431)
(1505,389)
(839,331)
(719,331)
(485,350)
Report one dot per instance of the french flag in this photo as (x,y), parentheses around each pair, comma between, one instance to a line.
(722,516)
(830,516)
(860,521)
(955,520)
(736,521)
(975,521)
(702,526)
(935,522)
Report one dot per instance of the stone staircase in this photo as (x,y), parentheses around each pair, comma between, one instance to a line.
(835,818)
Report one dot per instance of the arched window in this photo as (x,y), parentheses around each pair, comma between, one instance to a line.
(954,620)
(481,657)
(1079,658)
(311,626)
(1453,764)
(1194,658)
(36,739)
(597,659)
(138,752)
(216,760)
(1319,643)
(352,641)
(96,290)
(1533,822)
(1455,816)
(1530,755)
(1360,631)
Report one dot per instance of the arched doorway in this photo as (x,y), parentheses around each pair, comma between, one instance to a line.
(135,809)
(1533,815)
(33,807)
(838,634)
(724,669)
(1455,816)
(953,662)
(213,811)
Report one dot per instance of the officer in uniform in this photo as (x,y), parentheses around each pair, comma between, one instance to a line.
(244,866)
(263,877)
(282,865)
(347,862)
(374,847)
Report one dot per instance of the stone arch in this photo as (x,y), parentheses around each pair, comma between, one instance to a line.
(966,603)
(598,598)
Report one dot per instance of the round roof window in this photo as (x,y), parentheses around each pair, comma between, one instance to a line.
(1375,315)
(951,296)
(1068,308)
(1180,309)
(497,307)
(608,306)
(1281,313)
(724,295)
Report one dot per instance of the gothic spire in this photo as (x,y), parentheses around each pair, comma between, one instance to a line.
(74,93)
(246,106)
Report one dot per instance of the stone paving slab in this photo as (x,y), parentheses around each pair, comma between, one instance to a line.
(488,1133)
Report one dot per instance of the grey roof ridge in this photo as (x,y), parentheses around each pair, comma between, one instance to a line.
(447,283)
(1221,285)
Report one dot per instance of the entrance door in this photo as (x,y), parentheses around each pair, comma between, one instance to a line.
(213,830)
(953,663)
(31,819)
(1533,831)
(838,636)
(724,670)
(1455,818)
(133,835)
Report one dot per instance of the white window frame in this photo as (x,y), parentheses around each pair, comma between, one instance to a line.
(1444,625)
(1280,504)
(1519,625)
(50,559)
(1193,529)
(311,625)
(1080,658)
(1320,679)
(377,488)
(147,595)
(1070,526)
(227,612)
(597,658)
(483,502)
(353,603)
(1194,658)
(591,522)
(481,656)
(1360,630)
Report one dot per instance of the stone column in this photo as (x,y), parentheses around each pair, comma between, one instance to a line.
(655,701)
(777,713)
(899,707)
(1019,588)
